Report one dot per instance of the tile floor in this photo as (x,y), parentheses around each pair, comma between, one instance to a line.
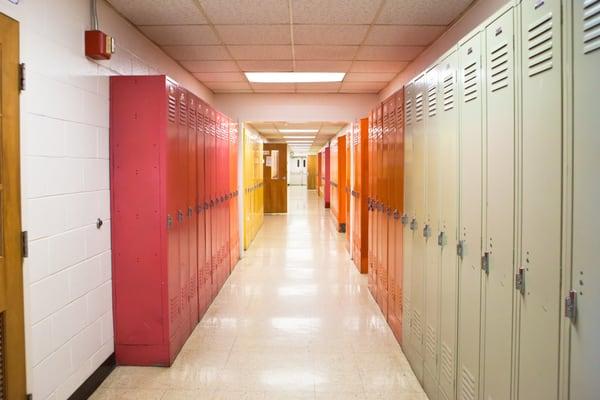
(294,321)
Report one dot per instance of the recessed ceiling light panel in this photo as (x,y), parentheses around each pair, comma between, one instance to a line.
(298,131)
(294,77)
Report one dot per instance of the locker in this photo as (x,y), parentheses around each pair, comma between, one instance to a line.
(191,210)
(327,174)
(585,349)
(203,267)
(360,193)
(372,269)
(432,224)
(471,140)
(385,120)
(334,171)
(499,215)
(447,237)
(540,263)
(381,228)
(211,216)
(348,185)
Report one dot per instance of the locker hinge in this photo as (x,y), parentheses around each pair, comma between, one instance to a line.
(22,76)
(413,225)
(485,263)
(442,239)
(460,248)
(520,280)
(25,244)
(404,219)
(571,305)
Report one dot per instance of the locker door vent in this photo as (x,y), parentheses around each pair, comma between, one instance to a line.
(182,111)
(447,364)
(400,115)
(192,119)
(431,342)
(499,67)
(419,107)
(408,112)
(539,45)
(471,81)
(174,304)
(417,325)
(591,25)
(449,92)
(172,108)
(467,387)
(432,100)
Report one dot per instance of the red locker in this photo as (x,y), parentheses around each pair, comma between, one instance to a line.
(202,208)
(212,179)
(192,215)
(233,190)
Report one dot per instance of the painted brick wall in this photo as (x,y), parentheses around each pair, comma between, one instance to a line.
(65,184)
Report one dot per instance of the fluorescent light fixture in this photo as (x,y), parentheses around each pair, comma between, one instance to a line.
(298,141)
(294,77)
(298,131)
(298,137)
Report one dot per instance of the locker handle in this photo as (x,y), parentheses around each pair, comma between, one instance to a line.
(388,211)
(169,221)
(413,224)
(396,214)
(206,205)
(485,262)
(190,211)
(520,280)
(180,216)
(571,305)
(404,219)
(442,239)
(460,248)
(426,231)
(199,209)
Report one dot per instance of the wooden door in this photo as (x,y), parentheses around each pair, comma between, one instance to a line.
(311,182)
(275,177)
(12,337)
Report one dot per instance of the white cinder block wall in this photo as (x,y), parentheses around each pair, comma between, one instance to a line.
(65,184)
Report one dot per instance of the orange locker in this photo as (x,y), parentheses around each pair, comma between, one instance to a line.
(372,203)
(360,204)
(347,187)
(338,182)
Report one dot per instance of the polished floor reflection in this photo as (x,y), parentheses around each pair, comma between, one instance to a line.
(294,321)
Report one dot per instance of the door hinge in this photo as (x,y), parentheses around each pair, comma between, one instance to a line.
(571,305)
(485,263)
(460,248)
(25,244)
(22,76)
(520,280)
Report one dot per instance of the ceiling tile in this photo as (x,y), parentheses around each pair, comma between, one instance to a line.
(378,66)
(369,87)
(330,34)
(273,87)
(334,11)
(370,77)
(228,85)
(404,35)
(305,52)
(265,65)
(422,12)
(254,34)
(261,52)
(210,66)
(247,12)
(318,87)
(191,53)
(166,35)
(220,77)
(322,66)
(154,12)
(388,53)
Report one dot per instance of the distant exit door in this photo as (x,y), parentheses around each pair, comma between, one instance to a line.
(275,177)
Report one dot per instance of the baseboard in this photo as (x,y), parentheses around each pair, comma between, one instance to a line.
(92,383)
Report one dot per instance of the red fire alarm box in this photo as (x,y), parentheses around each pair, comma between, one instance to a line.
(98,45)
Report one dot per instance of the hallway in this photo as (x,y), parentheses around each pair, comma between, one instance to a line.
(294,321)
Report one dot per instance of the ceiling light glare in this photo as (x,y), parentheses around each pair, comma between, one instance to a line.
(294,77)
(298,137)
(298,130)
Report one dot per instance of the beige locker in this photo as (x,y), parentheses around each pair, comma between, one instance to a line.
(471,136)
(419,174)
(585,333)
(498,261)
(407,216)
(540,265)
(447,236)
(431,226)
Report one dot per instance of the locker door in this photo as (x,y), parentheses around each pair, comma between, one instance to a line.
(471,137)
(432,225)
(541,200)
(201,187)
(209,183)
(418,241)
(390,188)
(382,273)
(407,217)
(500,213)
(448,234)
(227,201)
(173,233)
(182,195)
(371,194)
(192,216)
(585,348)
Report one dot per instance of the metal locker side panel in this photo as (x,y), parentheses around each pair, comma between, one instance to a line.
(471,173)
(497,318)
(432,223)
(191,211)
(541,200)
(448,235)
(585,346)
(408,215)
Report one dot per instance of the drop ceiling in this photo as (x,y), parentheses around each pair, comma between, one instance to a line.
(372,41)
(275,131)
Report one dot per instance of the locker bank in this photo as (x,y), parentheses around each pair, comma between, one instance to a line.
(299,199)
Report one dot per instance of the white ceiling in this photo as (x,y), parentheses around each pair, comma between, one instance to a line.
(217,40)
(271,131)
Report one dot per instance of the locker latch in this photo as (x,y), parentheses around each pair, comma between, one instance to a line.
(180,216)
(190,211)
(460,248)
(441,239)
(520,280)
(485,263)
(571,305)
(396,215)
(388,211)
(413,225)
(169,221)
(404,219)
(426,231)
